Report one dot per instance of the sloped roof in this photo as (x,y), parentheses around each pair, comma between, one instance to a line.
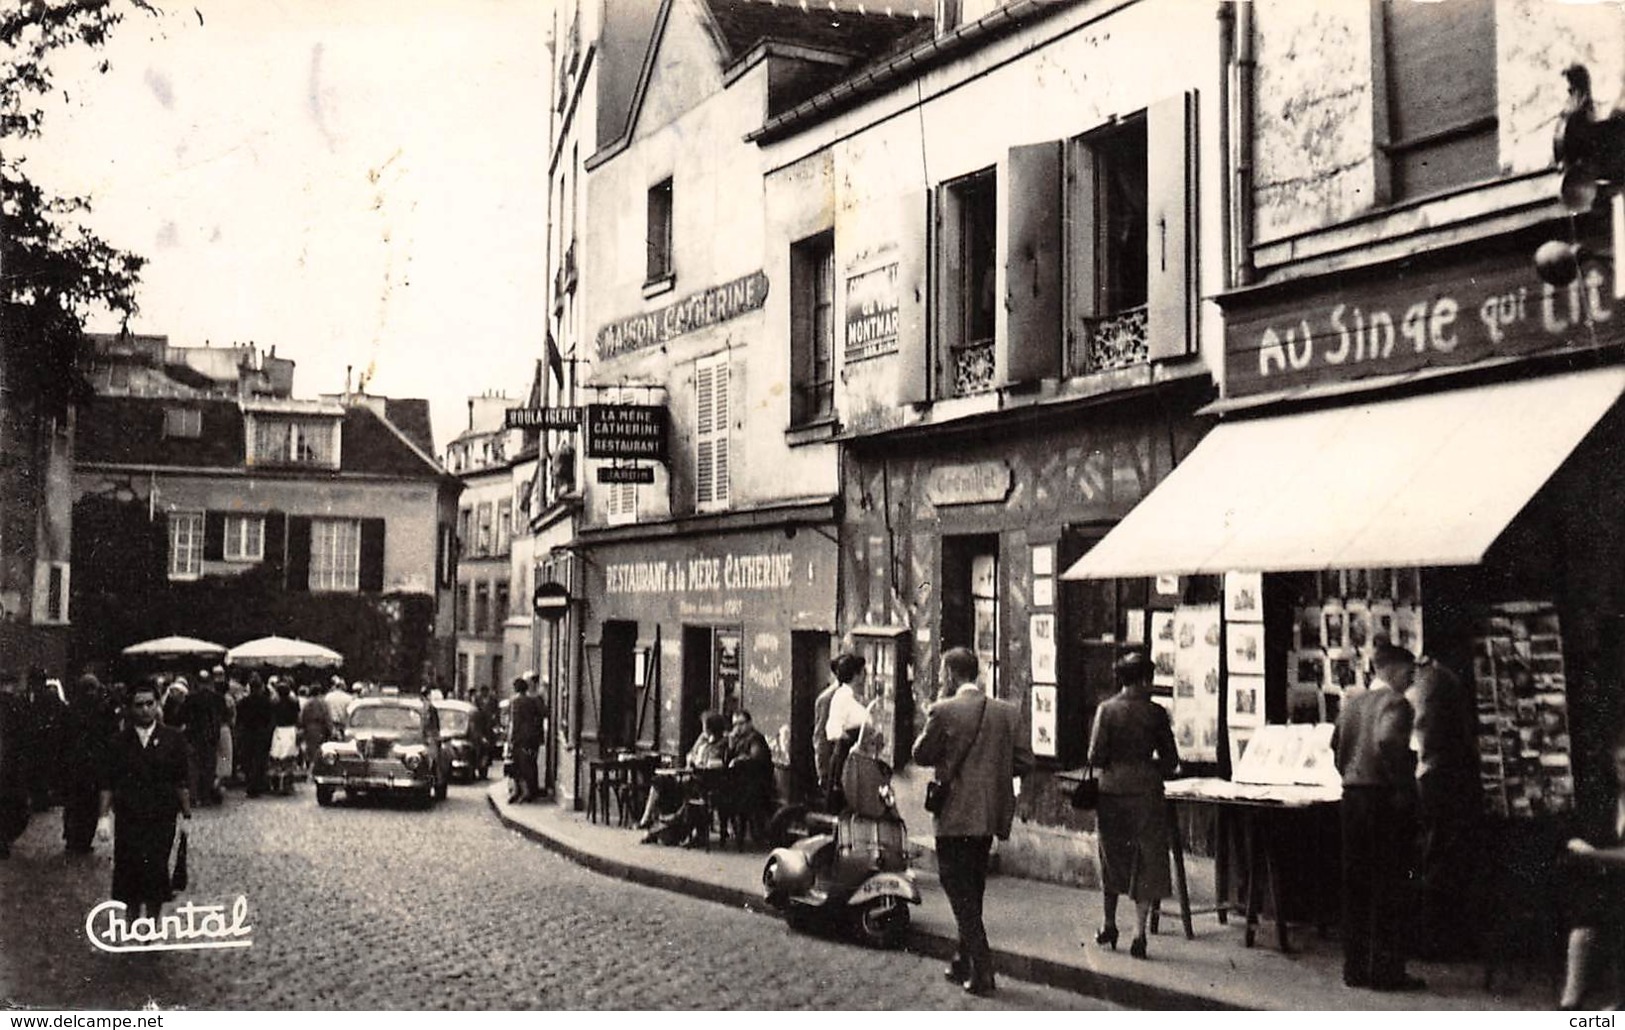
(130,431)
(411,416)
(840,27)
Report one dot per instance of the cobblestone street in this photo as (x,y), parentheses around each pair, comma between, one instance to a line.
(383,906)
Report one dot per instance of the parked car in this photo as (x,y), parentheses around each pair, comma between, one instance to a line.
(391,746)
(463,736)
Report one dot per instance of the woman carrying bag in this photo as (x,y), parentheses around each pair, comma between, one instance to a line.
(1132,746)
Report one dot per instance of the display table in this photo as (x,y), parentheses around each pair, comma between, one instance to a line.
(1253,809)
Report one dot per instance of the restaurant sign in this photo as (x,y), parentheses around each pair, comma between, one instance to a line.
(1470,311)
(634,474)
(695,311)
(627,431)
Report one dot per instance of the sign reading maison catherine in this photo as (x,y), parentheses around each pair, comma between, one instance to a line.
(696,311)
(1473,310)
(627,431)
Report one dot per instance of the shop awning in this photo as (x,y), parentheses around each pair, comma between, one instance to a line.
(1426,480)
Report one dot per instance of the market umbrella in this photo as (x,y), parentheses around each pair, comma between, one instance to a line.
(283,652)
(174,647)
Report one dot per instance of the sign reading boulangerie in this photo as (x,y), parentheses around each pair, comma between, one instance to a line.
(695,311)
(1403,320)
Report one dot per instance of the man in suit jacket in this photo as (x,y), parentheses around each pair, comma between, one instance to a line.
(976,745)
(1372,747)
(529,717)
(144,785)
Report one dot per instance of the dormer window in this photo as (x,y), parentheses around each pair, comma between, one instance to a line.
(277,440)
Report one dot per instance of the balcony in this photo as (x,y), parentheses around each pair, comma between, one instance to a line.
(972,367)
(1110,342)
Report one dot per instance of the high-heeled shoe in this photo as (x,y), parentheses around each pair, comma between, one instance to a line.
(1107,936)
(1136,947)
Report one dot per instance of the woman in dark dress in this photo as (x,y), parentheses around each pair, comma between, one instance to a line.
(255,721)
(1132,746)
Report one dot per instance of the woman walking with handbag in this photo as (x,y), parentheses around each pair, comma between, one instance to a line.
(1132,746)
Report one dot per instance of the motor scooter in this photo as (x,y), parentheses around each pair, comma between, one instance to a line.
(849,869)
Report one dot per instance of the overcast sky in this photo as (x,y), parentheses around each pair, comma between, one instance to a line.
(359,182)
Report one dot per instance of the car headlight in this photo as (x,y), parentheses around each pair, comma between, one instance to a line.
(413,758)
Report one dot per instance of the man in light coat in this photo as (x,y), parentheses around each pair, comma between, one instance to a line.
(978,747)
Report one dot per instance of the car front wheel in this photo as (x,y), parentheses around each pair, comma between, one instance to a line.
(440,787)
(324,795)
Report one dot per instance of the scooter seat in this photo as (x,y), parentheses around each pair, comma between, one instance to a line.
(821,822)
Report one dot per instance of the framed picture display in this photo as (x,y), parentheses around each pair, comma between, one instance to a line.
(1246,707)
(1163,648)
(1043,592)
(1246,647)
(1243,596)
(1041,641)
(1044,560)
(1307,628)
(1043,721)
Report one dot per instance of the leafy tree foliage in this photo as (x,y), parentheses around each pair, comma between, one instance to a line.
(54,273)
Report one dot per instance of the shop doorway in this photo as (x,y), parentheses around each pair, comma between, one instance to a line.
(809,674)
(618,698)
(970,601)
(712,657)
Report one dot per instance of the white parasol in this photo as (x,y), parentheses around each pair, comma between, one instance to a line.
(280,652)
(174,647)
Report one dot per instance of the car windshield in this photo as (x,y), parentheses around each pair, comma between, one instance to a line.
(385,717)
(453,720)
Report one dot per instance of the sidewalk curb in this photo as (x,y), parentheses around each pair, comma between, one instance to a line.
(1044,972)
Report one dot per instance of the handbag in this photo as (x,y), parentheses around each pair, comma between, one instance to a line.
(178,878)
(1086,795)
(937,792)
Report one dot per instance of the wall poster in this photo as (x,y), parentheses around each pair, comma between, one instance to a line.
(1197,637)
(1043,721)
(1041,641)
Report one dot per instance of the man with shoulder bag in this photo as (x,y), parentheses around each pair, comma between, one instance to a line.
(976,746)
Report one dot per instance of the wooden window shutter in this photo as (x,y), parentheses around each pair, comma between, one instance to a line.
(372,556)
(802,271)
(1031,347)
(914,363)
(722,415)
(1082,248)
(276,536)
(299,553)
(1171,229)
(704,426)
(214,536)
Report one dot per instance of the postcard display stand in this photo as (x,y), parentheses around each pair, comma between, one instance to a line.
(1339,616)
(1523,721)
(1185,655)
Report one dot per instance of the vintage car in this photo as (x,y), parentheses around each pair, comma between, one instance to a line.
(390,746)
(462,735)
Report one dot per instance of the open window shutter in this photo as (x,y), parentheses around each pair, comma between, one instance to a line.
(1032,275)
(1082,252)
(723,419)
(214,536)
(801,333)
(299,553)
(372,555)
(1170,214)
(704,427)
(276,537)
(913,284)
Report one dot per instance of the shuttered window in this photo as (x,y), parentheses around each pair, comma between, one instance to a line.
(244,538)
(620,502)
(185,544)
(1437,67)
(335,554)
(711,420)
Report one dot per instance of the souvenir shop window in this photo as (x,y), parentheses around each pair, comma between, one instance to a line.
(1338,618)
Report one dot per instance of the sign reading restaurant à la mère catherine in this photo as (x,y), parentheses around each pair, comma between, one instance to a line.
(695,311)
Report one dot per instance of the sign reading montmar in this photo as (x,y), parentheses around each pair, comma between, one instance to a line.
(696,311)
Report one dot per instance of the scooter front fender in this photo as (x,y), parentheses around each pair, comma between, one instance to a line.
(895,884)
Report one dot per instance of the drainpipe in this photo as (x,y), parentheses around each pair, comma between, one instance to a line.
(1227,55)
(1242,215)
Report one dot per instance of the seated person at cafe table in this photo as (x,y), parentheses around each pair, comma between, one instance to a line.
(746,796)
(669,796)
